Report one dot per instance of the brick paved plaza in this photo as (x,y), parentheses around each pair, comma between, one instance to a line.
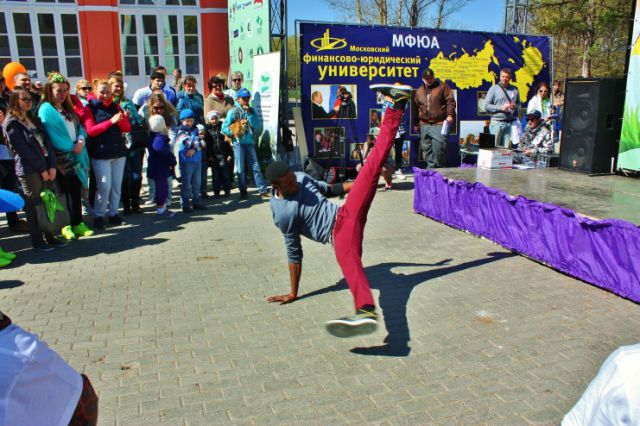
(169,321)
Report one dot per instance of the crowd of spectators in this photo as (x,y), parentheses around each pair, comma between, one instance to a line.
(89,147)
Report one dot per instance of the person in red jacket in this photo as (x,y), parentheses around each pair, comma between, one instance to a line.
(105,122)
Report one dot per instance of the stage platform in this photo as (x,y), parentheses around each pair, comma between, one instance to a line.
(597,197)
(585,226)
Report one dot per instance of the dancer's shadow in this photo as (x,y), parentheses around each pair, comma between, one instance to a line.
(395,290)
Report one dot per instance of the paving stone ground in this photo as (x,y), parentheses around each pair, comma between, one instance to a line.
(169,320)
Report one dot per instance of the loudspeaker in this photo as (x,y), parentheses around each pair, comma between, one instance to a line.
(592,123)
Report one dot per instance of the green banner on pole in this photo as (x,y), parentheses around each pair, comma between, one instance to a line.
(629,155)
(248,35)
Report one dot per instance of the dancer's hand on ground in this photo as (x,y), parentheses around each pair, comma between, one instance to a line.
(282,299)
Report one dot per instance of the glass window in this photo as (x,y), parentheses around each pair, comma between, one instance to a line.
(191,45)
(131,65)
(188,2)
(21,23)
(71,46)
(4,46)
(149,24)
(191,25)
(69,24)
(150,62)
(48,46)
(130,45)
(50,64)
(3,24)
(45,24)
(74,67)
(193,64)
(25,46)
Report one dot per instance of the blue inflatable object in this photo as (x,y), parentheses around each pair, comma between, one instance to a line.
(10,201)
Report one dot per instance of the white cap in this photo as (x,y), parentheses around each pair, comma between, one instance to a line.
(157,124)
(200,127)
(213,115)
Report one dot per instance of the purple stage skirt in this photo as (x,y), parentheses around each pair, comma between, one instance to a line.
(605,253)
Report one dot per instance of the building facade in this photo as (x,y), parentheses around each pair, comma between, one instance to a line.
(90,38)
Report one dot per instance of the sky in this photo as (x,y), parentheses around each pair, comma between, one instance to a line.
(478,15)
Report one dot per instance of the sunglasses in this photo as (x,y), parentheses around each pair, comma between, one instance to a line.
(87,88)
(543,91)
(236,79)
(156,108)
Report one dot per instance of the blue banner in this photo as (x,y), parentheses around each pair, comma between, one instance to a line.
(339,62)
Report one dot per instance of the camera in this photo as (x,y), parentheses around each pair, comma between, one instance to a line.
(345,96)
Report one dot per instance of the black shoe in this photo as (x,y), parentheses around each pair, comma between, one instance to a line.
(42,246)
(116,220)
(198,206)
(187,209)
(365,321)
(400,94)
(216,195)
(136,210)
(204,195)
(227,194)
(19,227)
(98,223)
(126,211)
(244,196)
(54,242)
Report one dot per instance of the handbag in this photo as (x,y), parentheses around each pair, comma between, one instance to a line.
(139,137)
(51,213)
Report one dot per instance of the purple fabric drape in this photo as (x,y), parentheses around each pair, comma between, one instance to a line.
(605,253)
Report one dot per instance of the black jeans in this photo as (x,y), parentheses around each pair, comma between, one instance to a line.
(397,147)
(71,187)
(32,185)
(221,179)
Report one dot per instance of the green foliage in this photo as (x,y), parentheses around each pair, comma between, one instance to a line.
(590,37)
(630,138)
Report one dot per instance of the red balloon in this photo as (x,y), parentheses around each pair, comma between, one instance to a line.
(10,70)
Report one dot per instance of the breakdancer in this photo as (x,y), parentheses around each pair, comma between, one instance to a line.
(300,207)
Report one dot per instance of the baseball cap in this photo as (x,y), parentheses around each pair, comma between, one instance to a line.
(534,114)
(244,93)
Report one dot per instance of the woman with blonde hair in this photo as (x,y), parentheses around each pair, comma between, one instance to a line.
(68,138)
(105,123)
(157,104)
(83,91)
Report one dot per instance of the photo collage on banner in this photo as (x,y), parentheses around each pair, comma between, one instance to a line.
(339,62)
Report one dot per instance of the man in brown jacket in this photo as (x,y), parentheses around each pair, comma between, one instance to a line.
(435,104)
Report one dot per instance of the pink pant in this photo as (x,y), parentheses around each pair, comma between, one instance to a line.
(352,216)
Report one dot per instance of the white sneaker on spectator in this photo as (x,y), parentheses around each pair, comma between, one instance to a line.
(399,175)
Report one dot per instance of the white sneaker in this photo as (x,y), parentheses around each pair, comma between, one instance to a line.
(399,175)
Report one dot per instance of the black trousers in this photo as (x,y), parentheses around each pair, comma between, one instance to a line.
(71,187)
